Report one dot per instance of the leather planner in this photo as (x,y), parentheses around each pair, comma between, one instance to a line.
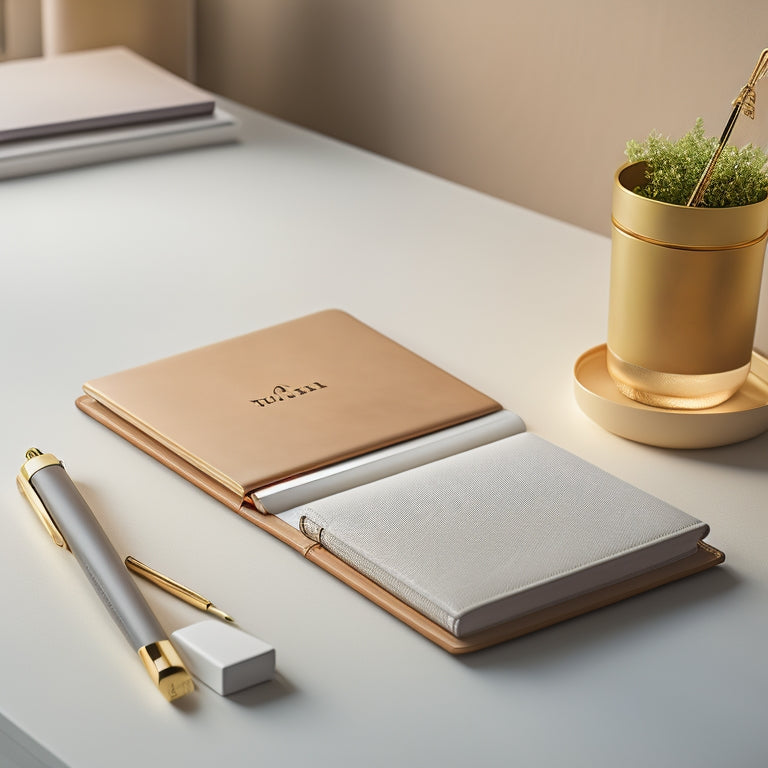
(408,485)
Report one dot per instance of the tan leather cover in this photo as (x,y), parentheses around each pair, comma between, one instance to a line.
(288,399)
(704,558)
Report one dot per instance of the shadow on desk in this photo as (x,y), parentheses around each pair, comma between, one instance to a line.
(261,695)
(265,693)
(750,454)
(609,624)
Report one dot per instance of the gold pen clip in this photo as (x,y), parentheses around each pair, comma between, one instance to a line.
(36,460)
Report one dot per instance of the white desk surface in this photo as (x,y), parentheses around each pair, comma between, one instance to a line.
(116,265)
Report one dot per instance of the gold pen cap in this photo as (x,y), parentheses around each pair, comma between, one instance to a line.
(166,669)
(36,460)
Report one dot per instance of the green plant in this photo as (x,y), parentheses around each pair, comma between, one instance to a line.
(674,167)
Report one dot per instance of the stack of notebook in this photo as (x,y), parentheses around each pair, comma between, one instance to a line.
(94,106)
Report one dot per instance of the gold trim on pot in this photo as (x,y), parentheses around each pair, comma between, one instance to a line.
(685,285)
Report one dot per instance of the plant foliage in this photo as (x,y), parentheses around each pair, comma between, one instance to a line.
(674,168)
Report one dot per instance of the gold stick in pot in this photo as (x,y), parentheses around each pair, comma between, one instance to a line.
(744,102)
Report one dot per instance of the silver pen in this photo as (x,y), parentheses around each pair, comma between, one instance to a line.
(72,525)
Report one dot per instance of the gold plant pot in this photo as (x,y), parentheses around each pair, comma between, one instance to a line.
(685,285)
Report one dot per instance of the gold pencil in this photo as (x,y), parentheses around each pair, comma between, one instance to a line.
(175,589)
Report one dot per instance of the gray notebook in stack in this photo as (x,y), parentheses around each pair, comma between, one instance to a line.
(492,534)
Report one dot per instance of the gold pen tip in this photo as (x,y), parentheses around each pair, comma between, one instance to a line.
(219,614)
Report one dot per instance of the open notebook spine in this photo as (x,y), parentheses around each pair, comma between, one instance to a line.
(283,498)
(333,544)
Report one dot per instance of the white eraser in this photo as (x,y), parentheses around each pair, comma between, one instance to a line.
(223,657)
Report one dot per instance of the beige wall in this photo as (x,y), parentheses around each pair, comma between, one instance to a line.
(528,101)
(161,30)
(20,33)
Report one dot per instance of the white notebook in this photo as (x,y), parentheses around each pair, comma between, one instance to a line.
(55,153)
(485,536)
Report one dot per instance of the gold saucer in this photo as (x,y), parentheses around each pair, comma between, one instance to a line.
(743,416)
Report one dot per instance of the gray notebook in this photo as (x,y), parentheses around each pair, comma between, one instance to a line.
(86,90)
(490,534)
